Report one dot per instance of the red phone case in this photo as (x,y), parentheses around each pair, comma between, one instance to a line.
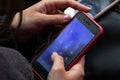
(90,44)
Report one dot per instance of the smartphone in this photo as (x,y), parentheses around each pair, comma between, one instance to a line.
(98,7)
(72,42)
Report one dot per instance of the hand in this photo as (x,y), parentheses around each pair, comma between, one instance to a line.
(58,71)
(44,13)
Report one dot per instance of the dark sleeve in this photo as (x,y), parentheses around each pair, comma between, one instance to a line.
(13,66)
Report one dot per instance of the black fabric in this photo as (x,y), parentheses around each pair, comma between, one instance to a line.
(29,3)
(103,59)
(13,66)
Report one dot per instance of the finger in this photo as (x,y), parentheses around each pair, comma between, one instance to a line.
(55,19)
(82,61)
(58,63)
(57,71)
(80,65)
(69,3)
(77,71)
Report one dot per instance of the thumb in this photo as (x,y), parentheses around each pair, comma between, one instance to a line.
(58,62)
(57,19)
(57,70)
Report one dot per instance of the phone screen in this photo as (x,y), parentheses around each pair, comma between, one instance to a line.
(69,43)
(96,5)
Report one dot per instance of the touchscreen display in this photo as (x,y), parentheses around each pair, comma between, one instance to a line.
(68,44)
(96,5)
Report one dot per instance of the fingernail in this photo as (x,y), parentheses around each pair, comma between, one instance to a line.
(55,53)
(67,17)
(88,7)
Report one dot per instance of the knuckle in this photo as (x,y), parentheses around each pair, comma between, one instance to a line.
(59,19)
(57,69)
(61,58)
(82,73)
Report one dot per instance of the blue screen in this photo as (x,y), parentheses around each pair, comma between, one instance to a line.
(68,44)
